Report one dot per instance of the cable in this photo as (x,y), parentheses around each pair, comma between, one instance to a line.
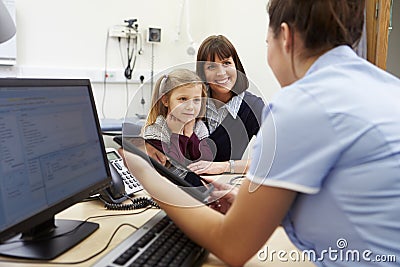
(142,101)
(126,80)
(188,22)
(179,21)
(120,51)
(137,203)
(131,60)
(133,38)
(131,55)
(152,69)
(127,93)
(86,259)
(191,50)
(105,74)
(104,248)
(140,51)
(89,257)
(185,10)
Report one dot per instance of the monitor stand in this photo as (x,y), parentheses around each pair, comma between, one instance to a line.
(65,235)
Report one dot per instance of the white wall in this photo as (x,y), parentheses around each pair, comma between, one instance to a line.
(68,39)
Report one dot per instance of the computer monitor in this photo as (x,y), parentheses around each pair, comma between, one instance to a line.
(51,157)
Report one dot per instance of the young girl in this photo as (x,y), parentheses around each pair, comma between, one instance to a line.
(173,124)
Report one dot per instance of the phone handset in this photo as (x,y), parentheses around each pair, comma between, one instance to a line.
(123,184)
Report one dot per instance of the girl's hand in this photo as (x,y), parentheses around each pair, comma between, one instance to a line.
(175,125)
(209,167)
(155,154)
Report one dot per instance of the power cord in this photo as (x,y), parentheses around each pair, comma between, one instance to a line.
(105,75)
(126,79)
(73,230)
(131,58)
(142,101)
(79,261)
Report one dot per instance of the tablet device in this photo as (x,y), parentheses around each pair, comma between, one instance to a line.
(178,174)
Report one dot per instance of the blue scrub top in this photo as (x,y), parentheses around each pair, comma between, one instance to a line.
(334,137)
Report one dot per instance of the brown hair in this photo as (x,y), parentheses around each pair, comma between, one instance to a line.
(219,45)
(321,24)
(164,87)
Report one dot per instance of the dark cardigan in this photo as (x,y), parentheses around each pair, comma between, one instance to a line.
(230,139)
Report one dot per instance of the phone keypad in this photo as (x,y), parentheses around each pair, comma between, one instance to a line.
(131,184)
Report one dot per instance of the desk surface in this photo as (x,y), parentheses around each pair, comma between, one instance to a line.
(99,238)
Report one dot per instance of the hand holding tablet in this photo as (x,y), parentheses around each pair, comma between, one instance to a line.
(176,173)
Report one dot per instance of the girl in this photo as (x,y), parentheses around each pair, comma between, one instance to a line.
(173,124)
(233,115)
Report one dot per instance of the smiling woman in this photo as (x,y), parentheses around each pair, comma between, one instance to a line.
(221,76)
(233,115)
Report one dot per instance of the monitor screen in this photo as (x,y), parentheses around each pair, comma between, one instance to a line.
(52,156)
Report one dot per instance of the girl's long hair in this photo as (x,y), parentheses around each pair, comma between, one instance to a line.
(164,87)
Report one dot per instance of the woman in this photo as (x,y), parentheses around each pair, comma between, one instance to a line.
(233,115)
(334,183)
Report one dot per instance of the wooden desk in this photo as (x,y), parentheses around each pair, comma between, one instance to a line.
(99,238)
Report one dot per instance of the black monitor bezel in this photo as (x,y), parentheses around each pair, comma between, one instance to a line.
(51,211)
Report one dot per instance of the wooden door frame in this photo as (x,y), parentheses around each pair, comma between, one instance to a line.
(377,22)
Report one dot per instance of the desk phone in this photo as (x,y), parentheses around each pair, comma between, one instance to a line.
(124,184)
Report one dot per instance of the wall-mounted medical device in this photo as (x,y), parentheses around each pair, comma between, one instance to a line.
(133,37)
(153,35)
(125,31)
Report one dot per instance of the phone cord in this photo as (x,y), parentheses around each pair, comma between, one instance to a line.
(137,203)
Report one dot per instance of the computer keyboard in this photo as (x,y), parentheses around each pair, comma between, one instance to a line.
(159,242)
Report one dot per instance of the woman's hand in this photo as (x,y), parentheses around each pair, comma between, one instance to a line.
(223,196)
(209,167)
